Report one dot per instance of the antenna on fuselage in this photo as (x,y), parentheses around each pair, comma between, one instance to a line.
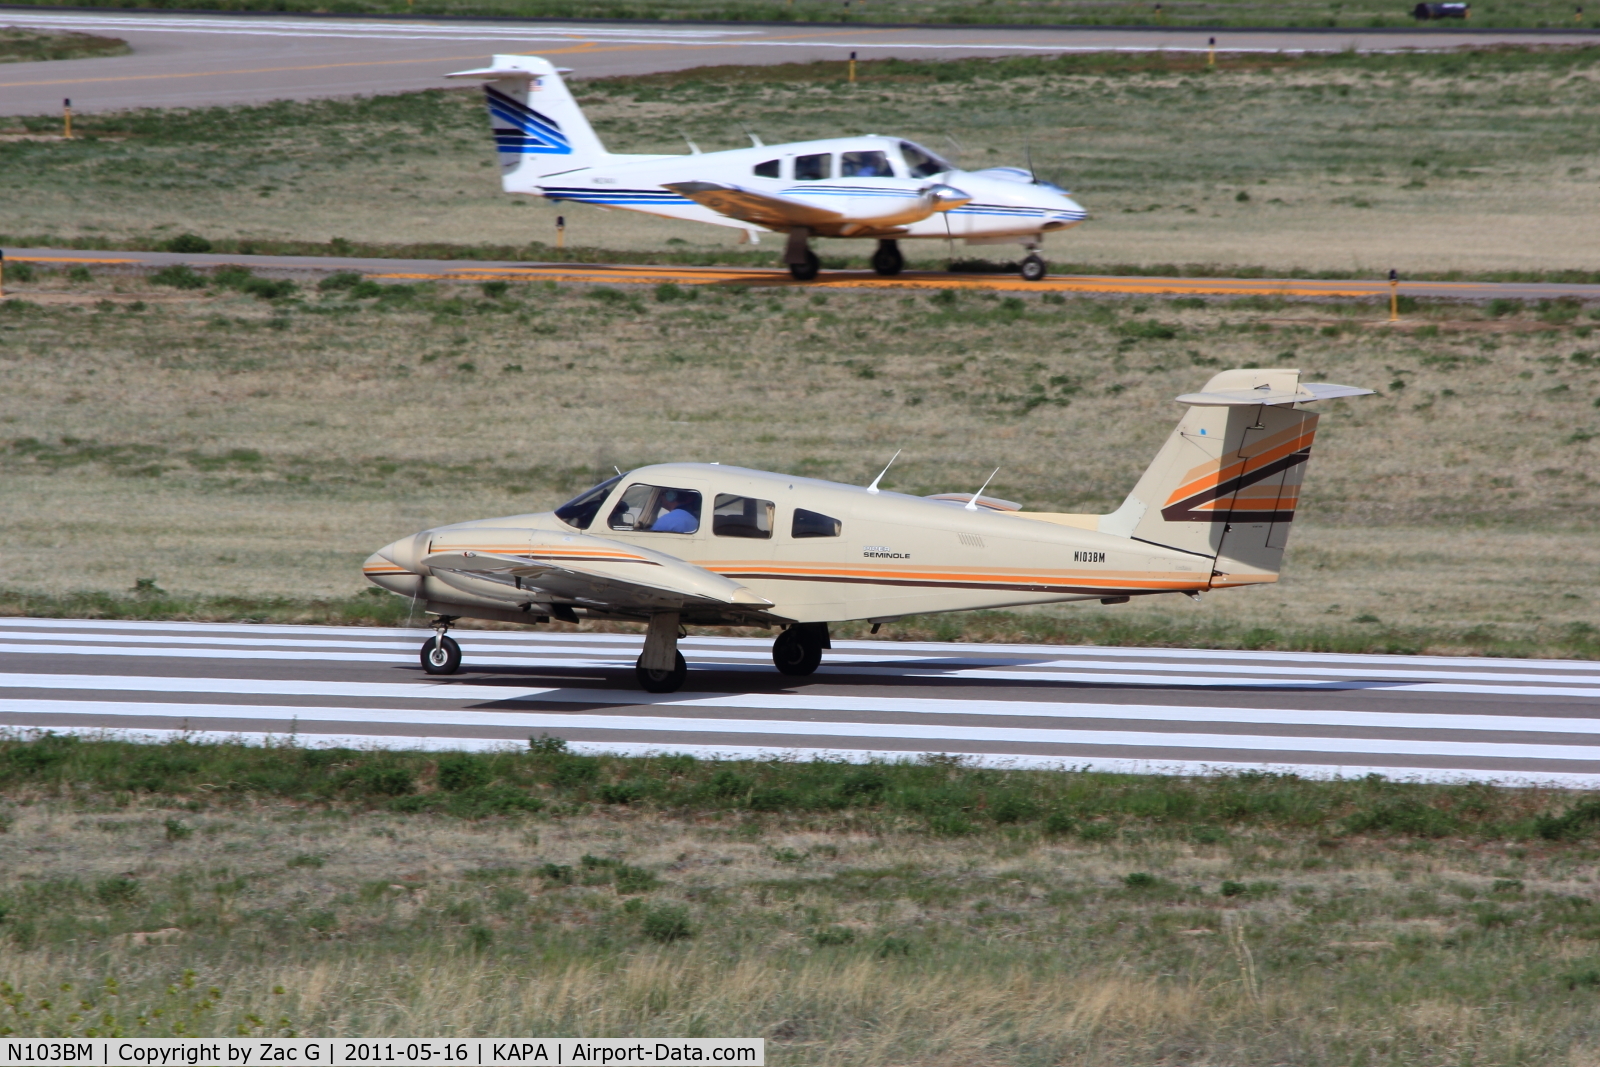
(972,505)
(617,469)
(694,149)
(755,142)
(873,488)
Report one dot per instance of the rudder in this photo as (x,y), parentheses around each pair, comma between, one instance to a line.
(1227,481)
(538,127)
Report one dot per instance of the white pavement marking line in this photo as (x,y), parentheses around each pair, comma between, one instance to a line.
(812,728)
(933,648)
(806,702)
(1114,765)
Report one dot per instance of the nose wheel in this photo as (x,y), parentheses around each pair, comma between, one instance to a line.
(662,681)
(440,654)
(807,269)
(1033,268)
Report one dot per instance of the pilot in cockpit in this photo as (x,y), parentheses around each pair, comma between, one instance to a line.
(674,516)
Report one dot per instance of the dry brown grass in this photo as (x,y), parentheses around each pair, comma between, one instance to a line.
(838,945)
(221,444)
(1420,163)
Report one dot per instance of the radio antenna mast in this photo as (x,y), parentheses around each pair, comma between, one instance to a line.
(873,488)
(972,505)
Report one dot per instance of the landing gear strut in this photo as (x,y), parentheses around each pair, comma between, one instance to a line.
(887,260)
(440,654)
(660,667)
(798,650)
(803,263)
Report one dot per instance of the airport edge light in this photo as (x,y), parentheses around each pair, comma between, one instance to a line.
(371,1052)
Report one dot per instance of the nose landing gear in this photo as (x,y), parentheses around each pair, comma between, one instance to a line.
(803,263)
(440,654)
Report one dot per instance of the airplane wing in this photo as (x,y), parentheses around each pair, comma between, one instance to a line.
(773,212)
(546,566)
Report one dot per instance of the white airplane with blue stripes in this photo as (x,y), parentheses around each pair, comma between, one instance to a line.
(879,188)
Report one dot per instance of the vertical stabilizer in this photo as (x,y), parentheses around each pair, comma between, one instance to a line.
(538,127)
(1226,483)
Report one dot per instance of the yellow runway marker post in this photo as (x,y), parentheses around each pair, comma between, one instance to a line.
(1394,296)
(66,119)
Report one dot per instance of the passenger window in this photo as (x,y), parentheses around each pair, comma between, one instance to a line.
(920,162)
(813,168)
(741,516)
(580,511)
(811,524)
(769,169)
(865,165)
(657,509)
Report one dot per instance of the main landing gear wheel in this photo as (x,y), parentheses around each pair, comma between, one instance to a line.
(662,681)
(806,271)
(887,260)
(1033,269)
(441,655)
(796,653)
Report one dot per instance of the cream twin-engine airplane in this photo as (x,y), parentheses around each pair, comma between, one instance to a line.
(707,544)
(873,187)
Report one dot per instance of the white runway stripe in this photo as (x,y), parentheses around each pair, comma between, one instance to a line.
(813,728)
(893,649)
(1113,765)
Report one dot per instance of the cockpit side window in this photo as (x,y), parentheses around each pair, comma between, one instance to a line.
(657,509)
(865,165)
(815,168)
(920,162)
(580,511)
(812,524)
(769,169)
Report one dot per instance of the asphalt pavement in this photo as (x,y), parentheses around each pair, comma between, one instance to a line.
(1139,710)
(402,270)
(193,60)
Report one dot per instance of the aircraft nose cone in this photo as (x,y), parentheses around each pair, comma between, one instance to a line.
(406,552)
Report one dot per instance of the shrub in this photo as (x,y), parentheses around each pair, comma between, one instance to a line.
(1013,808)
(495,289)
(176,831)
(1576,821)
(484,801)
(344,279)
(179,276)
(546,745)
(621,792)
(116,892)
(308,860)
(666,924)
(635,879)
(1234,889)
(1060,823)
(834,935)
(1140,880)
(574,771)
(1500,307)
(556,873)
(380,780)
(1405,816)
(79,273)
(20,272)
(188,244)
(462,770)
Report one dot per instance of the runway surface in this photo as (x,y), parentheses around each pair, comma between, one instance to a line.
(202,60)
(1146,710)
(606,274)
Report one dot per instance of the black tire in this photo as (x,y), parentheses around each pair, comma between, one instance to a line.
(441,656)
(661,681)
(805,272)
(794,654)
(1033,269)
(887,260)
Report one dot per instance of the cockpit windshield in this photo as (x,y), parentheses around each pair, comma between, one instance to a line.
(921,163)
(580,511)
